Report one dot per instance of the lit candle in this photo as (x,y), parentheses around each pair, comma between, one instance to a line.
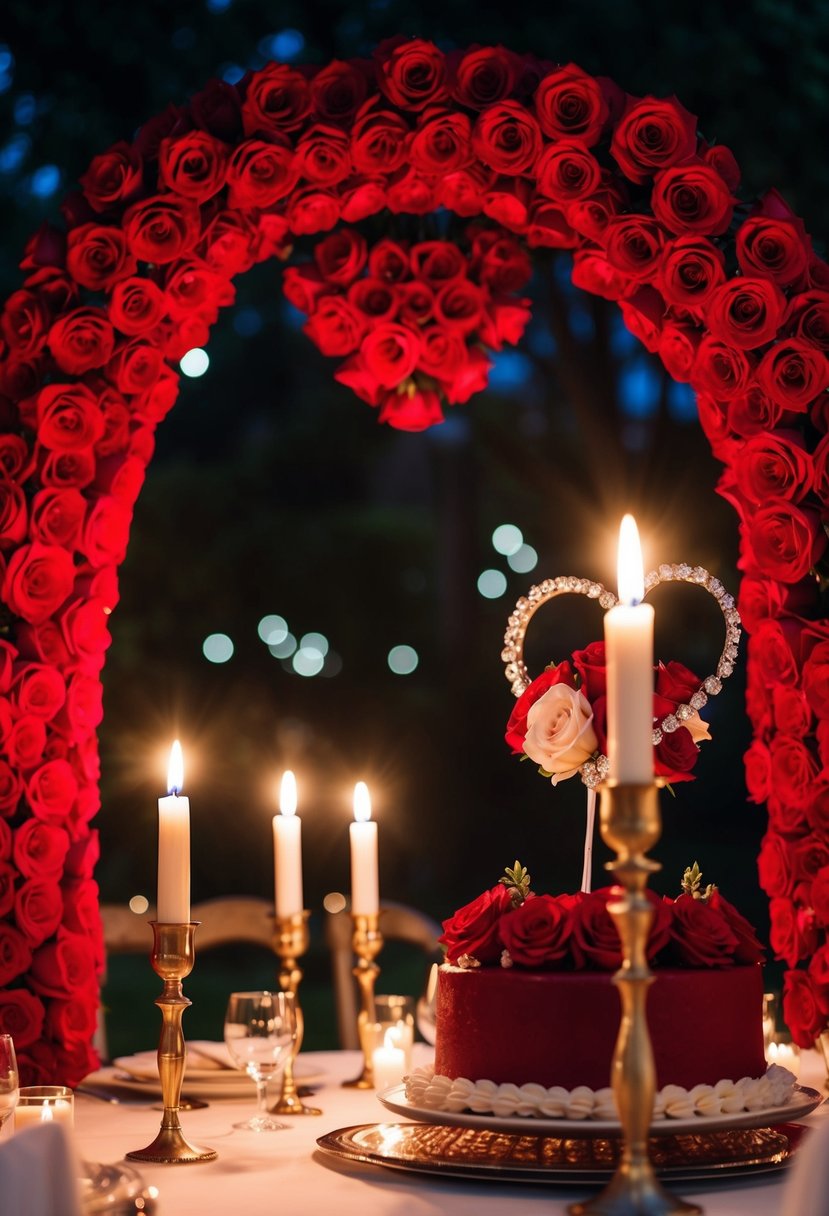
(58,1110)
(287,850)
(786,1055)
(628,631)
(388,1062)
(174,846)
(365,893)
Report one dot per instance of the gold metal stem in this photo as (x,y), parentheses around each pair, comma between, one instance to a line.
(630,825)
(291,941)
(172,957)
(366,942)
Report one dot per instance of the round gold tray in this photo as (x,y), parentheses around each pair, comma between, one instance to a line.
(473,1154)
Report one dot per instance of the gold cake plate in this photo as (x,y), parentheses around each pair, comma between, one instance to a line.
(802,1103)
(474,1154)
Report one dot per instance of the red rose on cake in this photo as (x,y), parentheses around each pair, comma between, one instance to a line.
(473,930)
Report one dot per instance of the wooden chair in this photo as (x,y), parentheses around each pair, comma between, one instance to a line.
(225,921)
(398,922)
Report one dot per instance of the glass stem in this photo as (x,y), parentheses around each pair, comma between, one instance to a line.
(262,1094)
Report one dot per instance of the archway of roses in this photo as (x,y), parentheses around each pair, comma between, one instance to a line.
(730,295)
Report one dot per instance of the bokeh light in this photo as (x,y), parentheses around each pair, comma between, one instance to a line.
(308,661)
(195,363)
(523,559)
(217,648)
(272,629)
(507,539)
(403,660)
(284,648)
(492,584)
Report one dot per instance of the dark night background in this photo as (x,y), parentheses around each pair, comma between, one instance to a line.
(274,491)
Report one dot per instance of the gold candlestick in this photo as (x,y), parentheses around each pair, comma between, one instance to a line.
(366,942)
(172,958)
(290,941)
(630,825)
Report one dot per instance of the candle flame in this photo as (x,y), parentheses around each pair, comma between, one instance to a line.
(46,1115)
(631,571)
(390,1038)
(175,769)
(362,802)
(287,794)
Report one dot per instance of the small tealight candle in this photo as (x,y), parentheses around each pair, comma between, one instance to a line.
(787,1055)
(44,1104)
(388,1062)
(401,1035)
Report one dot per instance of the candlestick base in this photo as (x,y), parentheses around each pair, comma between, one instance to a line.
(290,941)
(366,942)
(172,958)
(630,825)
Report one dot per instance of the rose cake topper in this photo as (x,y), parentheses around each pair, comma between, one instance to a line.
(560,718)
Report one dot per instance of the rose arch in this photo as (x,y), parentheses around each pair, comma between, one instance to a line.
(523,154)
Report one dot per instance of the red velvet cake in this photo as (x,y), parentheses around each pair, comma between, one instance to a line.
(560,1028)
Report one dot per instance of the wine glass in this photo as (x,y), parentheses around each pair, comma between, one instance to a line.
(260,1030)
(9,1078)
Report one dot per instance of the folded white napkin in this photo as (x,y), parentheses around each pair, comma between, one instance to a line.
(806,1192)
(39,1173)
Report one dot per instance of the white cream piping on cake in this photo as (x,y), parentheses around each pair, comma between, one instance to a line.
(431,1091)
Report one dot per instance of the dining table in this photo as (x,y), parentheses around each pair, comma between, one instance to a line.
(258,1173)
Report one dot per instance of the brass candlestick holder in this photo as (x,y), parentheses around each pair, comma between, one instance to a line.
(366,942)
(172,958)
(290,941)
(630,825)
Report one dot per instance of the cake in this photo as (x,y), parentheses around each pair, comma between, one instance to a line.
(527,1015)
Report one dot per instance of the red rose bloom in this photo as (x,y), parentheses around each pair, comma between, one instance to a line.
(38,908)
(106,531)
(323,155)
(808,318)
(471,377)
(162,228)
(774,465)
(753,412)
(773,866)
(390,353)
(793,373)
(458,306)
(21,1016)
(633,244)
(341,256)
(312,210)
(52,790)
(757,762)
(538,931)
(653,134)
(15,954)
(11,788)
(803,1008)
(194,165)
(692,198)
(336,327)
(776,249)
(442,142)
(484,75)
(745,312)
(678,351)
(691,267)
(136,305)
(412,73)
(786,540)
(40,849)
(302,286)
(411,411)
(337,92)
(260,173)
(793,933)
(63,968)
(81,339)
(595,942)
(25,323)
(702,935)
(374,298)
(507,138)
(720,369)
(442,352)
(566,171)
(13,520)
(69,417)
(113,178)
(26,742)
(277,99)
(379,141)
(569,104)
(816,680)
(97,257)
(38,579)
(474,929)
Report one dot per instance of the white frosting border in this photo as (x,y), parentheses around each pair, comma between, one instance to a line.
(431,1091)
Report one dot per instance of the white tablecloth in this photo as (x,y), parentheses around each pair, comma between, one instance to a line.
(257,1175)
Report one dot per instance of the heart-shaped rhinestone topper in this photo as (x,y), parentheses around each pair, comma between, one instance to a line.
(594,771)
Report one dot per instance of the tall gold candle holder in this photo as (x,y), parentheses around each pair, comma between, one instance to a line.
(291,941)
(366,942)
(172,957)
(630,825)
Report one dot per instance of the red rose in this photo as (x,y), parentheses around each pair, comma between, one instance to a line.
(566,171)
(71,1022)
(678,351)
(38,908)
(464,191)
(775,465)
(675,755)
(136,305)
(374,298)
(40,849)
(459,305)
(652,134)
(792,713)
(337,92)
(355,374)
(106,531)
(793,770)
(217,109)
(702,935)
(786,540)
(336,327)
(692,198)
(776,249)
(808,855)
(52,790)
(379,141)
(411,411)
(341,256)
(81,339)
(277,99)
(483,75)
(507,138)
(442,352)
(803,1008)
(11,788)
(68,417)
(97,257)
(323,155)
(312,210)
(65,967)
(644,315)
(773,866)
(793,933)
(745,312)
(504,321)
(63,469)
(590,216)
(21,1016)
(499,262)
(472,377)
(474,929)
(260,173)
(808,318)
(720,369)
(815,682)
(15,954)
(162,228)
(390,353)
(538,931)
(389,262)
(723,160)
(753,412)
(113,178)
(595,942)
(442,142)
(793,373)
(13,520)
(417,304)
(83,624)
(633,244)
(758,771)
(690,269)
(547,226)
(593,273)
(24,323)
(591,665)
(569,104)
(194,165)
(26,742)
(302,286)
(412,74)
(38,579)
(437,263)
(517,725)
